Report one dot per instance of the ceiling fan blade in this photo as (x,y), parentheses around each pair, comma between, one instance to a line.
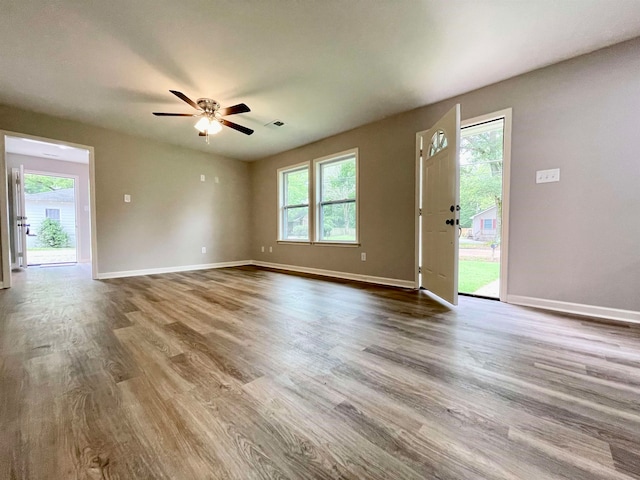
(160,114)
(240,108)
(184,98)
(235,126)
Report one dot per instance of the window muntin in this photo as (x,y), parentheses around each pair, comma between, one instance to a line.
(438,142)
(336,199)
(294,204)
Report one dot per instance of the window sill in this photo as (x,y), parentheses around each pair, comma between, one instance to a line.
(319,244)
(337,244)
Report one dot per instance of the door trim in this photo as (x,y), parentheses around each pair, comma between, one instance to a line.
(4,234)
(505,114)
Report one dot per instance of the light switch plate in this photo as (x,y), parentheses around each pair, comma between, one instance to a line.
(202,178)
(127,198)
(546,176)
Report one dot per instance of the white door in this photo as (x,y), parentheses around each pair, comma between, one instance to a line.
(439,151)
(21,226)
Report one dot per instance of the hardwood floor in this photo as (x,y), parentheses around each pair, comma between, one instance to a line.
(246,373)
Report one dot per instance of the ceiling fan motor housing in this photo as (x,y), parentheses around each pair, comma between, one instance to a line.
(208,105)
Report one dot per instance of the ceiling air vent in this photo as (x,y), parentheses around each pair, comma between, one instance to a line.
(275,124)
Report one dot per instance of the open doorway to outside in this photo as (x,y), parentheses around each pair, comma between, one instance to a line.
(50,206)
(484,161)
(47,205)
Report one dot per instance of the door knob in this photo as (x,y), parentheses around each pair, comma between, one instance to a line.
(450,222)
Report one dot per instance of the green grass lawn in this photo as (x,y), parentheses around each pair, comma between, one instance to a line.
(473,274)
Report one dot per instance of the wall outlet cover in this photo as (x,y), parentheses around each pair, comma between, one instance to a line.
(547,176)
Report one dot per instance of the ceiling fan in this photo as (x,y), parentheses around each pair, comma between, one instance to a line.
(211,114)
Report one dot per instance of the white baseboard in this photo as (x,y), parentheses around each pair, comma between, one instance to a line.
(183,268)
(576,308)
(392,282)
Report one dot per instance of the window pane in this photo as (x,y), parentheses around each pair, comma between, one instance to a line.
(338,180)
(338,222)
(296,187)
(296,223)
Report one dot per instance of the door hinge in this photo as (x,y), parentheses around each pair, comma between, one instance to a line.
(419,269)
(419,212)
(420,152)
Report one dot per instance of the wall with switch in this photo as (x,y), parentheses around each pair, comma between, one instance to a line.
(573,238)
(172,214)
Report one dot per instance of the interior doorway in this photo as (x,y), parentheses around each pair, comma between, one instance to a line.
(484,170)
(47,208)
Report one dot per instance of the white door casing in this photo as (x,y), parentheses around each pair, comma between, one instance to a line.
(440,194)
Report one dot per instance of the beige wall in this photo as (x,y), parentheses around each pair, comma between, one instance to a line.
(172,214)
(573,241)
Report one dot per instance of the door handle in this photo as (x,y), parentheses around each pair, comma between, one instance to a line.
(450,222)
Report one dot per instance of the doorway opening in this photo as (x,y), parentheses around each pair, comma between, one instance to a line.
(47,209)
(50,207)
(484,177)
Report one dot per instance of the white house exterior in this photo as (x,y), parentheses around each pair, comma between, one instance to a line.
(58,205)
(485,224)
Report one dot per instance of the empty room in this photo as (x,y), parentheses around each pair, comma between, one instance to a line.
(299,239)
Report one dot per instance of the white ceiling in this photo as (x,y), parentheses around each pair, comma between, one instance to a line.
(321,67)
(53,151)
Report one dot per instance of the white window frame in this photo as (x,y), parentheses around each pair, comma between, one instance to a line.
(282,208)
(317,166)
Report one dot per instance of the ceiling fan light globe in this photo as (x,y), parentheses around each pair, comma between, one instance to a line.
(214,127)
(202,125)
(208,126)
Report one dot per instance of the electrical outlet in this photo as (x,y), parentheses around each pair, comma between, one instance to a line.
(216,179)
(262,248)
(363,257)
(204,249)
(546,176)
(202,178)
(270,249)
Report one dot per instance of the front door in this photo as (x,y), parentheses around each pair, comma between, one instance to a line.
(21,226)
(439,195)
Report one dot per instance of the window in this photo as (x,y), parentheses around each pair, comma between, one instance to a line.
(488,224)
(336,198)
(333,184)
(294,203)
(438,142)
(52,213)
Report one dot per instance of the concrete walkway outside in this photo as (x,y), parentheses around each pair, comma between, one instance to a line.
(490,290)
(53,255)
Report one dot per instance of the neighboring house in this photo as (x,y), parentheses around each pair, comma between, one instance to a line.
(57,205)
(485,224)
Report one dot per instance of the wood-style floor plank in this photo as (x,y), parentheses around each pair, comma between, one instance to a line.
(248,373)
